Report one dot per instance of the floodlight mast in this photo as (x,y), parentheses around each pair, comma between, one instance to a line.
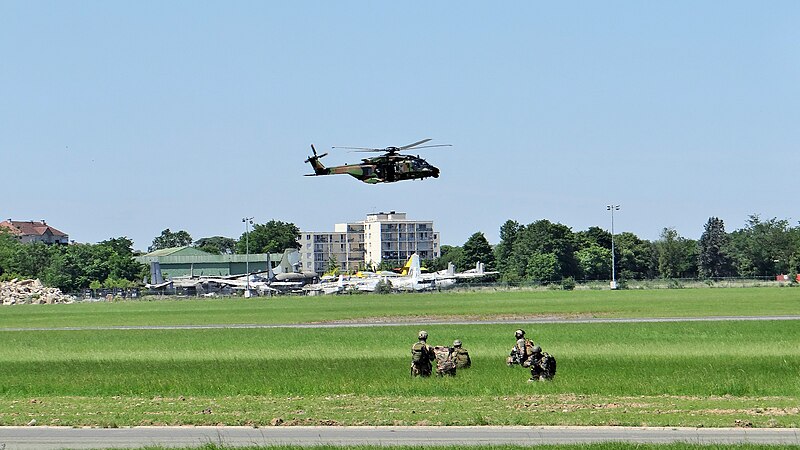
(247,222)
(613,208)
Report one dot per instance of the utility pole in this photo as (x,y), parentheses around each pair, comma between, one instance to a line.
(247,222)
(613,208)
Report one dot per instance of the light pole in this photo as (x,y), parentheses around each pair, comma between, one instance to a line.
(613,208)
(247,222)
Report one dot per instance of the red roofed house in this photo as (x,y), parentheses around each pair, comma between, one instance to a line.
(30,231)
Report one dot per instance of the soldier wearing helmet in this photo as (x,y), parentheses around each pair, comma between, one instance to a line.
(543,365)
(421,356)
(460,355)
(521,352)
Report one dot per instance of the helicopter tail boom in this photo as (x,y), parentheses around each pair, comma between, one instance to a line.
(319,168)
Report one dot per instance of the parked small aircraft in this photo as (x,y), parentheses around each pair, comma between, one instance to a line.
(412,278)
(284,278)
(389,167)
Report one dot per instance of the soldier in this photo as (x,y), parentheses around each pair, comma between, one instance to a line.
(520,353)
(536,369)
(460,355)
(421,356)
(543,365)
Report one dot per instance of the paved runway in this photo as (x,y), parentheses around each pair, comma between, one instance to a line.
(45,438)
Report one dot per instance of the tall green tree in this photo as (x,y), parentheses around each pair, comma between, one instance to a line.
(121,263)
(593,236)
(449,254)
(504,250)
(217,245)
(635,257)
(169,239)
(333,266)
(477,249)
(8,248)
(542,267)
(712,252)
(271,237)
(595,262)
(31,259)
(536,240)
(763,248)
(74,267)
(676,255)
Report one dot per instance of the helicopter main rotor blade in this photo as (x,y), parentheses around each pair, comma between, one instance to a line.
(406,147)
(415,145)
(366,149)
(437,145)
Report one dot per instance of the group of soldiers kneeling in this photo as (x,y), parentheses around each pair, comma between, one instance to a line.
(448,359)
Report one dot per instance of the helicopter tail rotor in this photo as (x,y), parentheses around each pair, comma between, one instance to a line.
(315,157)
(319,169)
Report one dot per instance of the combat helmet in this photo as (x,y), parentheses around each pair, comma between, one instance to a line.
(423,335)
(457,343)
(519,334)
(535,350)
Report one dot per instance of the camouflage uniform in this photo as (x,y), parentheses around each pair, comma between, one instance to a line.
(535,364)
(543,366)
(460,356)
(421,357)
(520,353)
(445,365)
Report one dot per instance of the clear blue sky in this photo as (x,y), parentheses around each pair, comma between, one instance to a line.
(126,118)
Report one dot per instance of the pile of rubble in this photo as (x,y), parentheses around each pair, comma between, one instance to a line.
(17,292)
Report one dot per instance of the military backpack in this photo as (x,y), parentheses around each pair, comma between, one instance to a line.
(419,353)
(548,365)
(444,361)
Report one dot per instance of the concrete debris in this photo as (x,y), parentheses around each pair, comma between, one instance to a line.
(20,292)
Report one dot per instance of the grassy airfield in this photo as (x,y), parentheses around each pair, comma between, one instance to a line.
(484,304)
(711,374)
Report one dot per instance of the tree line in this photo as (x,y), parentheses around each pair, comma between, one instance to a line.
(110,263)
(544,251)
(72,267)
(541,251)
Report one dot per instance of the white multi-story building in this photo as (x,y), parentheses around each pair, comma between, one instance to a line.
(345,246)
(381,237)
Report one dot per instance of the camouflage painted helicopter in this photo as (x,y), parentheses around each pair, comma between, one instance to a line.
(389,167)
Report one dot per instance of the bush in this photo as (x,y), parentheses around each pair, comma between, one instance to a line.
(383,287)
(674,284)
(8,276)
(568,284)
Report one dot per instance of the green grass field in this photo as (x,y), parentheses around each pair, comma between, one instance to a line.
(481,304)
(658,374)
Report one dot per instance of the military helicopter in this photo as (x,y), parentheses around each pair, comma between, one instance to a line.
(389,167)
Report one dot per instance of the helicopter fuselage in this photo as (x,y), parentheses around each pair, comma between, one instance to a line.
(382,169)
(389,167)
